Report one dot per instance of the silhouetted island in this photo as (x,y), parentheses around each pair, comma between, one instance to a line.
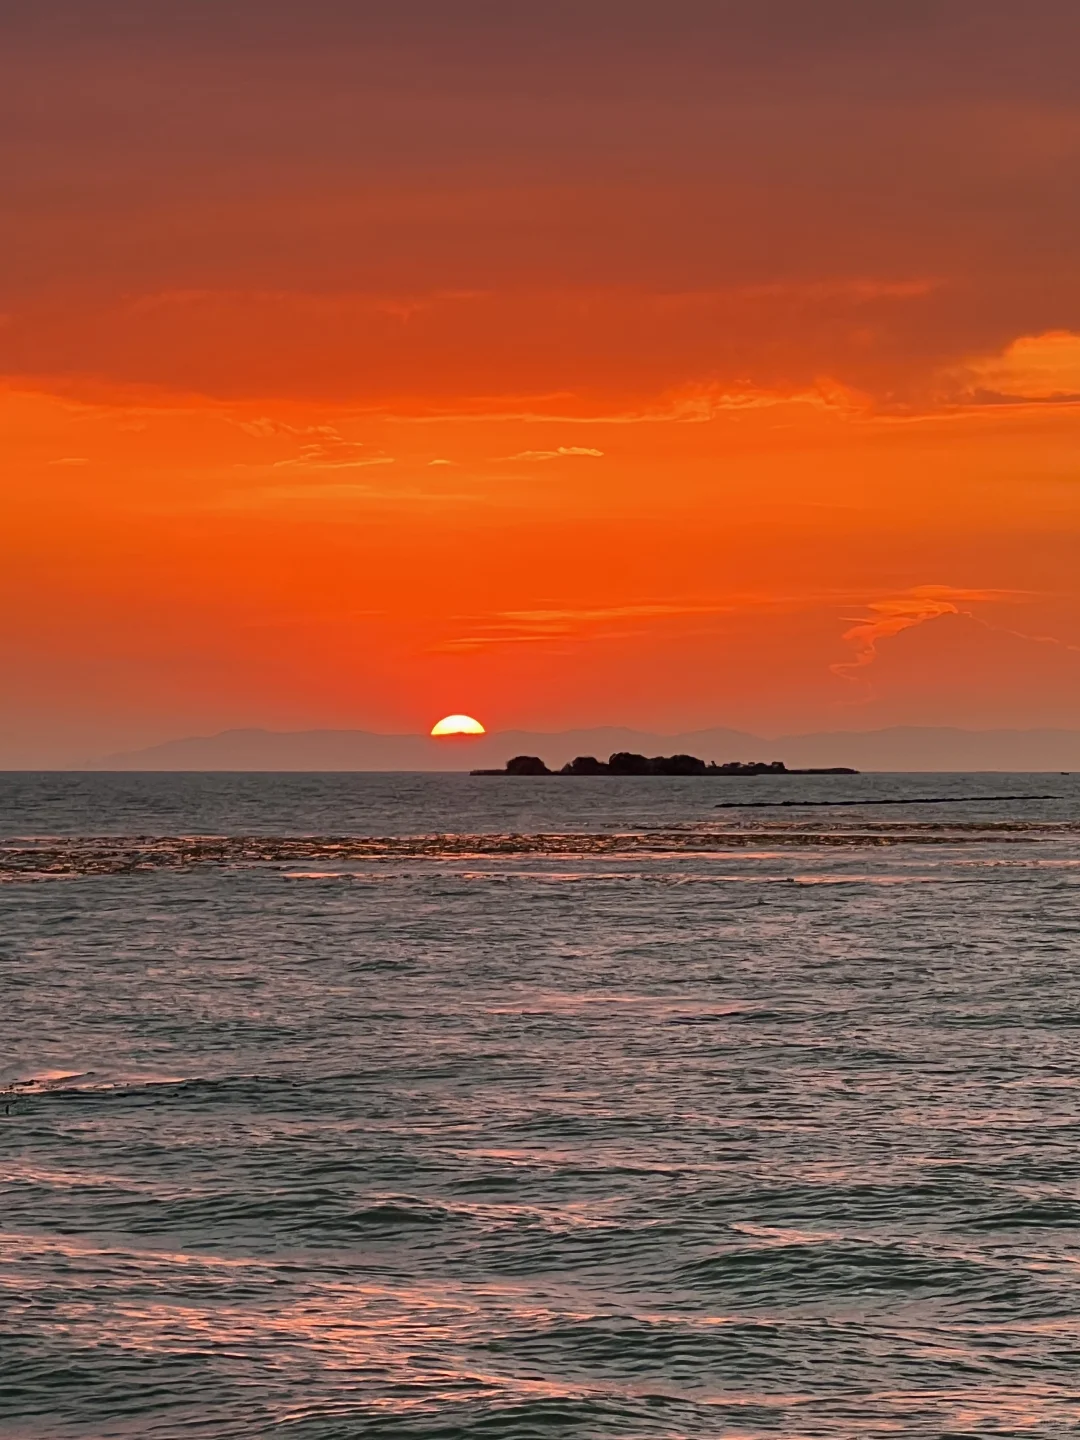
(623,762)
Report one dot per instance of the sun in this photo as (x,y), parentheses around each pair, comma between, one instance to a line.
(458,725)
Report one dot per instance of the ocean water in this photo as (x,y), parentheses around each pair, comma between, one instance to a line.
(429,1106)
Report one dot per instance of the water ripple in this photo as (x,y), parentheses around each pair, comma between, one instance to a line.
(639,1126)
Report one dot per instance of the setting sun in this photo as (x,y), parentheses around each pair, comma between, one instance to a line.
(458,725)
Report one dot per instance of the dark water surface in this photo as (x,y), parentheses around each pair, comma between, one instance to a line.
(425,1106)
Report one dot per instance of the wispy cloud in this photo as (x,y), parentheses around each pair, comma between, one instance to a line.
(694,404)
(322,447)
(266,428)
(895,614)
(563,452)
(316,458)
(530,627)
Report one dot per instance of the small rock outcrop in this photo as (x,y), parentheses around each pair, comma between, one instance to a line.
(751,767)
(526,765)
(585,765)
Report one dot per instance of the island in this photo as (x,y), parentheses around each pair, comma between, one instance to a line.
(623,762)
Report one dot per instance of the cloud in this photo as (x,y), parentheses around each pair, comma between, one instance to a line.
(529,230)
(625,352)
(314,458)
(1034,369)
(887,617)
(324,447)
(891,616)
(525,627)
(575,615)
(559,454)
(71,460)
(1053,640)
(696,403)
(266,428)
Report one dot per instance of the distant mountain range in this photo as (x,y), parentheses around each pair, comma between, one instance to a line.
(900,747)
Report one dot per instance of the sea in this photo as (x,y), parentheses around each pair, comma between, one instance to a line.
(468,1108)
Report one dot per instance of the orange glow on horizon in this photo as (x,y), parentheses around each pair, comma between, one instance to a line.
(553,402)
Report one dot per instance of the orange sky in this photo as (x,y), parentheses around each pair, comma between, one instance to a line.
(668,366)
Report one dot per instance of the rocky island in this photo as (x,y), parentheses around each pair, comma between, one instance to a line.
(623,762)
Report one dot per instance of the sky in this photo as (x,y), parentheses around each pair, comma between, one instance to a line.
(581,363)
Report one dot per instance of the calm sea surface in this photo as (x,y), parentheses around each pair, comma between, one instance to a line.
(429,1106)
